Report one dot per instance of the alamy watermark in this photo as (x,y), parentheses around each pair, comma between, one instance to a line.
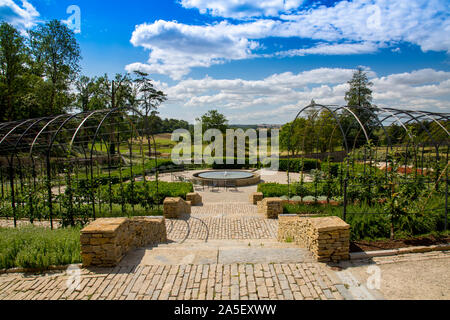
(235,143)
(374,280)
(73,282)
(74,20)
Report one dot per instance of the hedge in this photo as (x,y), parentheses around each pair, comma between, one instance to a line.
(114,177)
(297,165)
(144,193)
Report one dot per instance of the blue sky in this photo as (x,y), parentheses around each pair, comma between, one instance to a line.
(260,61)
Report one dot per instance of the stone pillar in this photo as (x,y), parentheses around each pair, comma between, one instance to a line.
(328,238)
(256,197)
(176,207)
(194,198)
(271,207)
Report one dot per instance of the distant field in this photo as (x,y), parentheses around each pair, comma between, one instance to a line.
(163,136)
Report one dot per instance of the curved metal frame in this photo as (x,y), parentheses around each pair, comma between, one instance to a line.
(403,117)
(42,133)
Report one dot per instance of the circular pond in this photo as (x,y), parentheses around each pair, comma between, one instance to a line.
(240,178)
(226,175)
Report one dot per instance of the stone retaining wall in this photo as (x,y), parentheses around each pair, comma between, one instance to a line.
(174,208)
(105,241)
(271,207)
(328,238)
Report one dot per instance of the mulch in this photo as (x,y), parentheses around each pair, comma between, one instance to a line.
(360,246)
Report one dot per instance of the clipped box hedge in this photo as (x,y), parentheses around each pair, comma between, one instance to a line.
(301,164)
(144,193)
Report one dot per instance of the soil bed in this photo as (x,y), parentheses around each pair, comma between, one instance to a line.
(359,246)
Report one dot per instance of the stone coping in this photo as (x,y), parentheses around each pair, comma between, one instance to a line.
(240,182)
(329,223)
(399,251)
(104,225)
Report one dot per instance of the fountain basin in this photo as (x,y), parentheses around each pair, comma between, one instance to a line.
(220,177)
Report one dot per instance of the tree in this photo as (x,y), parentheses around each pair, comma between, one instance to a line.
(214,120)
(87,88)
(359,99)
(148,97)
(56,57)
(293,137)
(328,134)
(359,93)
(12,60)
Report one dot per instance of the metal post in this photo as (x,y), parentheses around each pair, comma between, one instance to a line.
(49,190)
(13,200)
(446,195)
(345,199)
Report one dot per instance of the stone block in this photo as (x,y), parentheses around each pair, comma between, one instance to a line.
(105,241)
(327,238)
(175,208)
(271,207)
(256,197)
(194,198)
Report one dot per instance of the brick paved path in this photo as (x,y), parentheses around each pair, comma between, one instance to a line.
(209,228)
(222,221)
(215,253)
(159,282)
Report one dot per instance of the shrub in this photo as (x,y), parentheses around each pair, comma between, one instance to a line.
(368,222)
(235,165)
(144,193)
(270,190)
(38,248)
(297,165)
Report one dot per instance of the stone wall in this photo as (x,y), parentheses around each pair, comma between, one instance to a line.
(174,208)
(328,238)
(105,241)
(271,207)
(194,198)
(256,197)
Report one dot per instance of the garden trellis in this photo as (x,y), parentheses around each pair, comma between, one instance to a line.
(371,155)
(73,166)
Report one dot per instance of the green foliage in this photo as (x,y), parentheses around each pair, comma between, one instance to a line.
(368,221)
(214,120)
(39,248)
(236,165)
(127,173)
(270,190)
(317,132)
(144,194)
(298,165)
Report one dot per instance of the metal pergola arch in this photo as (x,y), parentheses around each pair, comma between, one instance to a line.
(384,117)
(40,143)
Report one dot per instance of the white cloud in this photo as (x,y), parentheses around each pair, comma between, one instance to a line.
(176,48)
(347,28)
(277,99)
(242,9)
(332,49)
(21,16)
(420,22)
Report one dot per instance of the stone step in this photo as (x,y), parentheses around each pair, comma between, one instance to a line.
(266,243)
(209,253)
(218,251)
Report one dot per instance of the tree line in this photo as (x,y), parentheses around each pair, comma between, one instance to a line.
(40,76)
(318,129)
